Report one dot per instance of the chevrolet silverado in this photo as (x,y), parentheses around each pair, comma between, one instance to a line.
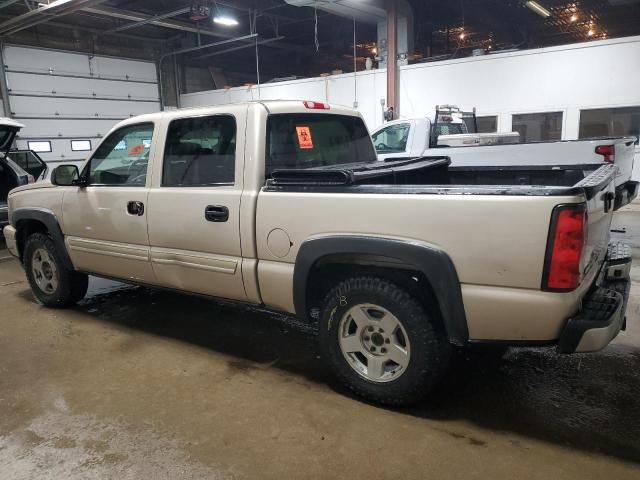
(284,204)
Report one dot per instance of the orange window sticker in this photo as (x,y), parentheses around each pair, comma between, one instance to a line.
(136,150)
(304,138)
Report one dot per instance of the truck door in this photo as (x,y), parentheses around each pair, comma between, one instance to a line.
(105,222)
(194,211)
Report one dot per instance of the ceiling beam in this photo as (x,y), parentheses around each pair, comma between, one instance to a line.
(239,47)
(6,3)
(150,20)
(155,18)
(43,14)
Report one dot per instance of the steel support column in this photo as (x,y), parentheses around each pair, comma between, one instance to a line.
(392,54)
(6,102)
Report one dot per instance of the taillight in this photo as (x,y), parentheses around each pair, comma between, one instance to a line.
(316,105)
(608,152)
(567,237)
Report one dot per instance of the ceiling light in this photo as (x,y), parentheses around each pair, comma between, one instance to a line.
(52,4)
(225,20)
(539,9)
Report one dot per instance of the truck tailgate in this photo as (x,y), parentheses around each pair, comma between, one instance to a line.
(624,152)
(599,188)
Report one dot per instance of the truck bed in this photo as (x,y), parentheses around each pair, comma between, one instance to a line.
(436,175)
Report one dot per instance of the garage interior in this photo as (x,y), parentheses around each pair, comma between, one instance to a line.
(138,383)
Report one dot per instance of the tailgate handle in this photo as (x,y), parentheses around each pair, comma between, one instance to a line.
(216,213)
(608,198)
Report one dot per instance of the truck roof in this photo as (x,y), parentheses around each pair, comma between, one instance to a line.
(272,106)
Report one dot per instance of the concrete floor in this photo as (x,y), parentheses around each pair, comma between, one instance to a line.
(135,383)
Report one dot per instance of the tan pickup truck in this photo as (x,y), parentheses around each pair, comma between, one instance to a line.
(284,204)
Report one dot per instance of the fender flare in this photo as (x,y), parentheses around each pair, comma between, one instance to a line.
(435,264)
(49,220)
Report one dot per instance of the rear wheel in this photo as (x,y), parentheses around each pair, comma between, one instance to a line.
(381,342)
(52,283)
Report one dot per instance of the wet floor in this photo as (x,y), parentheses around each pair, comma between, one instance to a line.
(135,383)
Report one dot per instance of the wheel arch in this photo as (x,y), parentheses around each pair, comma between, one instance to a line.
(384,254)
(31,220)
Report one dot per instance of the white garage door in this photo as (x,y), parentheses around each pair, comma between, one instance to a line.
(69,101)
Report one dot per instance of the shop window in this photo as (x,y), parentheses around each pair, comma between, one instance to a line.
(538,127)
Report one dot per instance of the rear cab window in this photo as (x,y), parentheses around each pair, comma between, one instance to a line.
(303,140)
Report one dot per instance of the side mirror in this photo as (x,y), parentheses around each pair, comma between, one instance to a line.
(65,176)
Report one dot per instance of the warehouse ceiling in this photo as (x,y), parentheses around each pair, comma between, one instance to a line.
(300,41)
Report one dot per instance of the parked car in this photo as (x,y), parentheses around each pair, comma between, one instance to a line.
(284,204)
(17,167)
(415,137)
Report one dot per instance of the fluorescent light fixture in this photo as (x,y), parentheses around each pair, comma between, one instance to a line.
(53,4)
(539,9)
(225,20)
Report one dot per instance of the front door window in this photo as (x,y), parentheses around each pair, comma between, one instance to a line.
(123,158)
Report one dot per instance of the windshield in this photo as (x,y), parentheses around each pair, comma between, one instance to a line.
(305,140)
(392,139)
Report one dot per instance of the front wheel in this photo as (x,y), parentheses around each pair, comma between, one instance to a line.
(51,282)
(381,342)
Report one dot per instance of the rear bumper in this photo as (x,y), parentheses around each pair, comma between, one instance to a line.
(625,194)
(602,315)
(10,238)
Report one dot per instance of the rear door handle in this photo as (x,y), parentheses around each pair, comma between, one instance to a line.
(216,213)
(135,208)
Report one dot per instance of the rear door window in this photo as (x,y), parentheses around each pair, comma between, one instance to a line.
(316,140)
(200,151)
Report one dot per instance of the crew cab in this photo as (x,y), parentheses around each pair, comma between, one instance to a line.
(414,137)
(283,204)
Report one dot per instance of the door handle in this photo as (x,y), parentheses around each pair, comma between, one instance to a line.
(216,213)
(135,208)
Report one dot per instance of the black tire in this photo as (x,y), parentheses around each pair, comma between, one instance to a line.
(71,286)
(429,348)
